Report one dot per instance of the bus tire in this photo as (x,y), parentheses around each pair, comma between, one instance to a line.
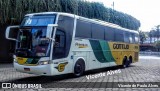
(130,60)
(79,68)
(125,62)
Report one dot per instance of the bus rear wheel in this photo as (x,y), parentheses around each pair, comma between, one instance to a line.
(125,62)
(130,60)
(79,68)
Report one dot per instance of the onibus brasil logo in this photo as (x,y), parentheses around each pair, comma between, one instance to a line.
(13,85)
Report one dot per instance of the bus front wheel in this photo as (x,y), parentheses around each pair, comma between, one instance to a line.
(79,68)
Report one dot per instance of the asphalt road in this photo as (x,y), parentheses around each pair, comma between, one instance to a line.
(141,74)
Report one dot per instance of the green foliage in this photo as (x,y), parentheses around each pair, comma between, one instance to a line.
(142,36)
(155,33)
(157,44)
(12,11)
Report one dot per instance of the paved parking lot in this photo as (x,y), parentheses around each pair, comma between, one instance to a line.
(142,73)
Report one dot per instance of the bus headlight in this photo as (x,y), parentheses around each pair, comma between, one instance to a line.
(43,62)
(15,60)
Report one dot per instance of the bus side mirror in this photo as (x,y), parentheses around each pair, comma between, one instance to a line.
(8,32)
(50,30)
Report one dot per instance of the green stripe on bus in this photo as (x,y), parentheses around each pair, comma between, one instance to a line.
(106,51)
(101,51)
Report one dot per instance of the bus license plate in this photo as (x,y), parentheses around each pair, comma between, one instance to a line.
(26,69)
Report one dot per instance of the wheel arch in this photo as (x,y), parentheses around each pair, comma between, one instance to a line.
(79,59)
(124,58)
(131,58)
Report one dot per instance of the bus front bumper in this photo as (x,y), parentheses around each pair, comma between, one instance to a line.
(38,69)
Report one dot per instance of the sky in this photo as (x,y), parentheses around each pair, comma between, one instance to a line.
(147,11)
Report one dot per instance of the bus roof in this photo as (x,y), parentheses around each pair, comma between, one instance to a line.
(97,21)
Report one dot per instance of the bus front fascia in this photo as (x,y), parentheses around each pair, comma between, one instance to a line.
(51,29)
(50,35)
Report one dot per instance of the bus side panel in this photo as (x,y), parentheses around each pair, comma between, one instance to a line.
(102,52)
(83,50)
(119,50)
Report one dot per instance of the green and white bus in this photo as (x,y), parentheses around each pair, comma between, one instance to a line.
(54,43)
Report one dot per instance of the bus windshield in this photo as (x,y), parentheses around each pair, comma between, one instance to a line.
(32,42)
(31,37)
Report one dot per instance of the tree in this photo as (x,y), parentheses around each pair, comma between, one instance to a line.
(16,9)
(157,44)
(142,36)
(157,32)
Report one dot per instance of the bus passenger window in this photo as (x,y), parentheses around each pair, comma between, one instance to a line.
(83,29)
(133,38)
(130,38)
(136,38)
(126,37)
(98,31)
(59,46)
(109,34)
(119,37)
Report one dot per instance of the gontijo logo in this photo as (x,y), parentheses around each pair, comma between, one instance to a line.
(120,46)
(61,66)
